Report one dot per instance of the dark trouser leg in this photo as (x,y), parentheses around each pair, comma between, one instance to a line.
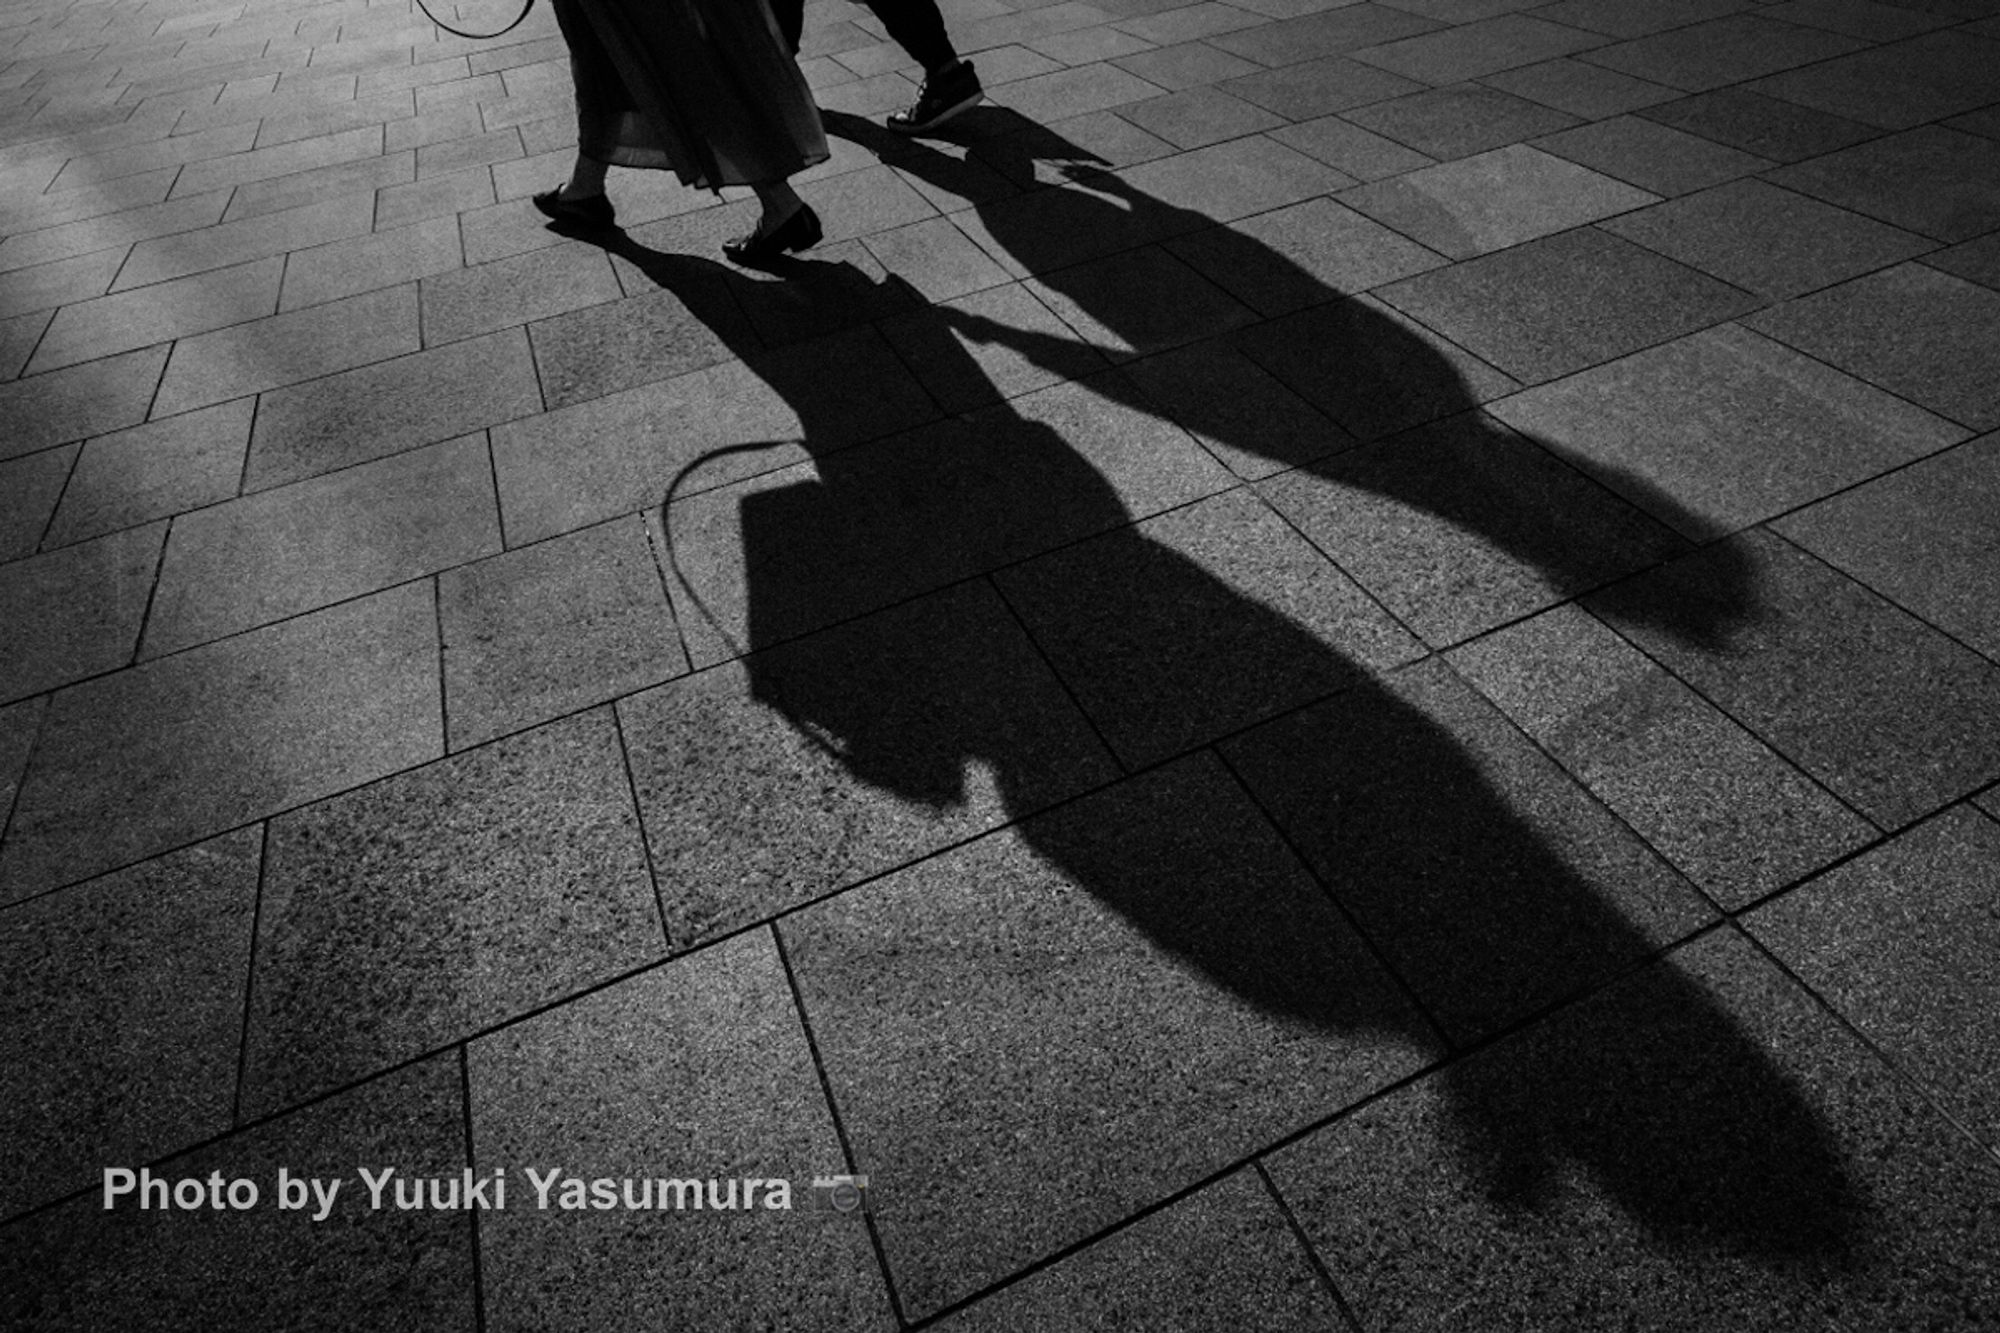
(917,27)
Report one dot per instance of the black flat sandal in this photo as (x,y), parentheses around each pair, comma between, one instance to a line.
(800,231)
(595,211)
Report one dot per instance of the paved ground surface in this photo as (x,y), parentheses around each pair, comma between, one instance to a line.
(1336,667)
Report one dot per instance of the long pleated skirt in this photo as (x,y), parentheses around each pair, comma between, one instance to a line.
(702,88)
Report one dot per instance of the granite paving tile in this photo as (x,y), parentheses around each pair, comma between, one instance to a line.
(1371,368)
(391,1269)
(285,121)
(162,468)
(1189,65)
(1722,808)
(1301,256)
(1977,261)
(207,740)
(701,1064)
(1722,51)
(306,430)
(1473,50)
(1724,428)
(1638,18)
(127,320)
(1081,46)
(1197,117)
(239,242)
(1220,1258)
(181,151)
(464,303)
(1900,941)
(263,354)
(1931,337)
(1329,32)
(1072,92)
(657,334)
(1778,130)
(1986,122)
(1894,717)
(1187,23)
(925,509)
(85,201)
(1699,1145)
(1139,302)
(19,725)
(483,150)
(275,554)
(944,721)
(18,336)
(1564,302)
(369,263)
(1767,240)
(1241,619)
(551,628)
(1925,537)
(1069,150)
(578,465)
(1589,91)
(1525,893)
(43,287)
(1651,156)
(29,488)
(111,231)
(76,612)
(1253,424)
(320,185)
(936,258)
(1931,180)
(1350,149)
(238,168)
(1083,220)
(992,345)
(124,1006)
(1898,86)
(1319,87)
(1460,120)
(1460,526)
(1221,183)
(960,1006)
(443,196)
(1857,18)
(443,901)
(1493,200)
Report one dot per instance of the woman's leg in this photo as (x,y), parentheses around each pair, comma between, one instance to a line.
(780,201)
(586,179)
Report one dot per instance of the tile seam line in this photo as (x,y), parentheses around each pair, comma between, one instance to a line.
(839,1122)
(1437,1066)
(250,977)
(1987,1155)
(1306,1247)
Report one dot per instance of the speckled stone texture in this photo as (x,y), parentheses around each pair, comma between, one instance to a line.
(441,902)
(1927,536)
(123,1004)
(1893,716)
(815,765)
(1726,810)
(1214,1261)
(80,1268)
(1452,526)
(1032,1036)
(1240,618)
(1491,883)
(1724,428)
(1902,942)
(1706,1106)
(699,1070)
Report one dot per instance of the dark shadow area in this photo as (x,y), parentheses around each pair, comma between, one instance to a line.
(1479,877)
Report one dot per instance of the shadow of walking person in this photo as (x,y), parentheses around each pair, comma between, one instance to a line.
(1461,886)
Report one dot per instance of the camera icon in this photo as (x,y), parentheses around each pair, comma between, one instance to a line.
(840,1194)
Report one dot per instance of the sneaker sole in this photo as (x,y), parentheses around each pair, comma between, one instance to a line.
(919,127)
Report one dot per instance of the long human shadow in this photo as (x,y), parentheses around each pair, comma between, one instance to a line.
(1403,793)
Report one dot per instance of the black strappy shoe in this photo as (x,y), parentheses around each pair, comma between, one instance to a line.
(800,231)
(592,212)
